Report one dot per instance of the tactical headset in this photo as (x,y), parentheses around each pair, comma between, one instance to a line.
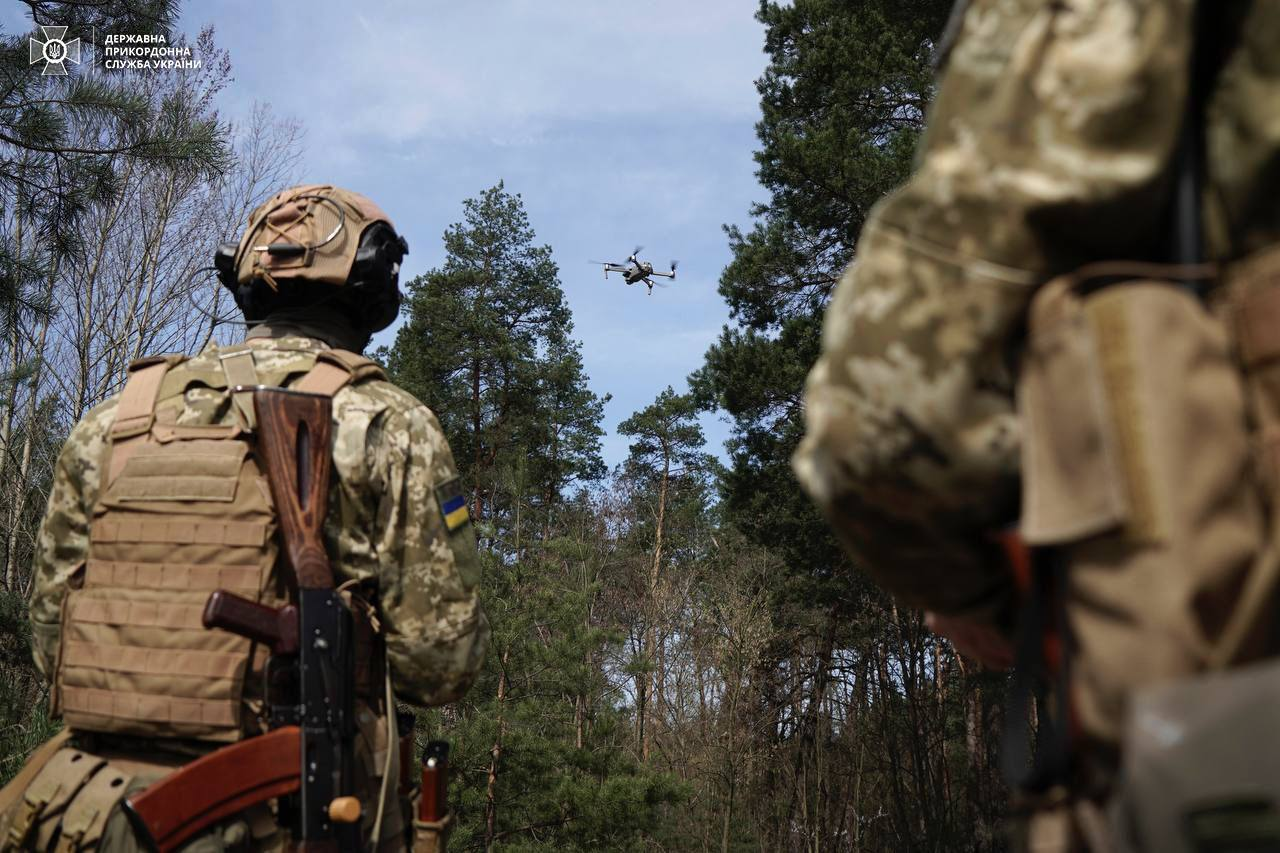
(370,293)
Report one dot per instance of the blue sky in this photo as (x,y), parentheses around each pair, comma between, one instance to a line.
(618,123)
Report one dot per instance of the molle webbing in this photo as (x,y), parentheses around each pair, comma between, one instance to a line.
(196,664)
(117,707)
(242,580)
(186,510)
(180,531)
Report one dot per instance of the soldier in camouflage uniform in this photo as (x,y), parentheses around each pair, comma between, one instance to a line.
(386,531)
(1050,145)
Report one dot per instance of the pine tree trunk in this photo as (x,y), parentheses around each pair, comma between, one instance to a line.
(491,802)
(652,628)
(11,403)
(477,514)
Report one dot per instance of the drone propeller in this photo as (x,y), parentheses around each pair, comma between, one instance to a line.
(638,249)
(674,264)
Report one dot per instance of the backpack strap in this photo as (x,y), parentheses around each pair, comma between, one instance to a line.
(136,408)
(337,368)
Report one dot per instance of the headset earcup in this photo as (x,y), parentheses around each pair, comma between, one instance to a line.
(224,261)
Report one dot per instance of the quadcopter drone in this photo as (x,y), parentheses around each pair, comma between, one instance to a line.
(635,270)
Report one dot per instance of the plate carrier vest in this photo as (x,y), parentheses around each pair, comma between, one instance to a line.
(184,509)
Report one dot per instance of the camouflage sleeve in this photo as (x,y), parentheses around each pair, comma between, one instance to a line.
(429,568)
(63,543)
(1049,145)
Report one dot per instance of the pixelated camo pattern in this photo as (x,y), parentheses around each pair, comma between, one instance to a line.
(1049,145)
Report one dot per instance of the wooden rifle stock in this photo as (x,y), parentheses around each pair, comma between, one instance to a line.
(293,430)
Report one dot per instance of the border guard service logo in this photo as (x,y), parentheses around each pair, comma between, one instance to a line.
(54,51)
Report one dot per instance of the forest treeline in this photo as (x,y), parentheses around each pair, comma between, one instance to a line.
(682,657)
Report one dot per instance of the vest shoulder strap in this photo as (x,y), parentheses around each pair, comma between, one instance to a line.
(337,368)
(136,408)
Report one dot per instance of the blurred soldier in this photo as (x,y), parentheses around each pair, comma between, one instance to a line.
(157,501)
(1035,250)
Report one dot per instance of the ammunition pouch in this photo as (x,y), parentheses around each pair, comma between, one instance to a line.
(1151,440)
(61,801)
(1202,766)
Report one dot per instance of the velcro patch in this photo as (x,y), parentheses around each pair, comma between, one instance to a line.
(453,504)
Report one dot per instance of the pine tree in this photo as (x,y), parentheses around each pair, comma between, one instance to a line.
(843,101)
(489,332)
(64,140)
(539,744)
(665,460)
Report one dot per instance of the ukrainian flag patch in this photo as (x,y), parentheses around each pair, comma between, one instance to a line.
(453,505)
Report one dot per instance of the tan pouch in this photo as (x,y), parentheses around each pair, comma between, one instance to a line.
(1202,758)
(64,804)
(35,790)
(1140,463)
(432,836)
(87,813)
(1137,466)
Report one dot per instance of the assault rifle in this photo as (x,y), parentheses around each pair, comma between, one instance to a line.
(306,757)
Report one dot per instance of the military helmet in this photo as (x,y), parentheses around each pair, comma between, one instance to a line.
(314,243)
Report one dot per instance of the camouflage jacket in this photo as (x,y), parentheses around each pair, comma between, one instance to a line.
(1050,144)
(384,524)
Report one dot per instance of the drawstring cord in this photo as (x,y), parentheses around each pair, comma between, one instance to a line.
(386,764)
